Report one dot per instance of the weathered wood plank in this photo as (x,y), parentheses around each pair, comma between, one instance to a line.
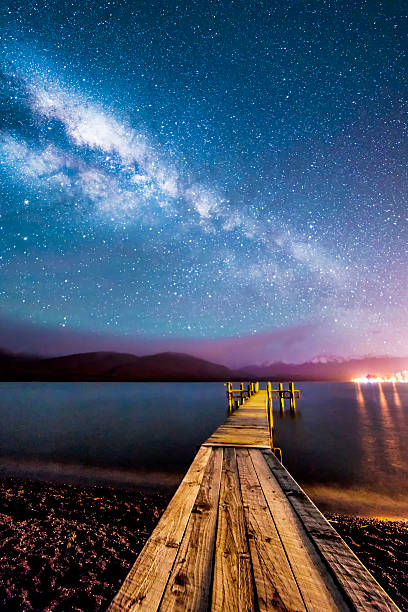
(248,426)
(234,427)
(234,421)
(189,586)
(240,426)
(266,530)
(250,422)
(144,586)
(276,588)
(232,582)
(319,592)
(261,446)
(250,439)
(358,585)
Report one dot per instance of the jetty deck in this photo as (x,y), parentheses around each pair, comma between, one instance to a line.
(240,534)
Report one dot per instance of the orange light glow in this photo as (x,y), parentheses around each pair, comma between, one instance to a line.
(399,377)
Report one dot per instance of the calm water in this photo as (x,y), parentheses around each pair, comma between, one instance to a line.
(347,445)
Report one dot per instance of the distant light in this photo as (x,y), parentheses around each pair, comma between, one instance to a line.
(399,377)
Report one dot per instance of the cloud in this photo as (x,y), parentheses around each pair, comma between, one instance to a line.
(290,344)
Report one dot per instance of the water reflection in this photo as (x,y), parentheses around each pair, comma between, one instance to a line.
(389,435)
(367,438)
(346,442)
(397,399)
(348,447)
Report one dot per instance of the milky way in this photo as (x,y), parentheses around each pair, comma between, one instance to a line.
(192,172)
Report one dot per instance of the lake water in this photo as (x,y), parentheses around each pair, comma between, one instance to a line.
(347,444)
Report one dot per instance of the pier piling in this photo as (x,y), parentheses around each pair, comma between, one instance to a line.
(241,535)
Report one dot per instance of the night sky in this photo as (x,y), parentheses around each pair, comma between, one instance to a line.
(223,178)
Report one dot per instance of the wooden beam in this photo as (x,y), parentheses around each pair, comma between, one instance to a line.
(189,586)
(144,585)
(276,588)
(357,584)
(232,582)
(315,583)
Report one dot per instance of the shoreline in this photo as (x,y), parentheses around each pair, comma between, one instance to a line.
(69,544)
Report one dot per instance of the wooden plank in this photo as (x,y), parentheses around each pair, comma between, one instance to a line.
(359,586)
(260,423)
(237,418)
(232,583)
(276,588)
(248,426)
(235,445)
(243,436)
(254,442)
(242,426)
(241,421)
(319,592)
(189,586)
(144,586)
(252,438)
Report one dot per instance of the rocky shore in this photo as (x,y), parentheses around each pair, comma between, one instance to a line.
(66,547)
(382,546)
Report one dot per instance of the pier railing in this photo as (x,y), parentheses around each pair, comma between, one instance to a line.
(237,397)
(241,534)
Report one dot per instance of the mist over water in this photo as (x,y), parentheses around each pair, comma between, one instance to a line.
(346,444)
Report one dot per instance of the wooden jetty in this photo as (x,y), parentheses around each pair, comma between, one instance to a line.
(241,535)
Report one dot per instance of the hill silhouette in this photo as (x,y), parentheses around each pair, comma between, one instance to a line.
(111,366)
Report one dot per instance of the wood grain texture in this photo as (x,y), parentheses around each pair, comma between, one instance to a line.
(232,582)
(319,592)
(358,586)
(241,535)
(144,586)
(276,588)
(248,426)
(189,586)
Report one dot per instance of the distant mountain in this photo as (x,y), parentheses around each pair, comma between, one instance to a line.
(335,370)
(113,366)
(107,366)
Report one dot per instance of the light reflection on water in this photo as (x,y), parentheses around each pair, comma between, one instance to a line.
(346,444)
(348,447)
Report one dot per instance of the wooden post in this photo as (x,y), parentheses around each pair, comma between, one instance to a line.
(270,411)
(257,387)
(278,453)
(281,400)
(229,396)
(241,387)
(292,397)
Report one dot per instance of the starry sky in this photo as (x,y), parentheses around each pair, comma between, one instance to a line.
(226,178)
